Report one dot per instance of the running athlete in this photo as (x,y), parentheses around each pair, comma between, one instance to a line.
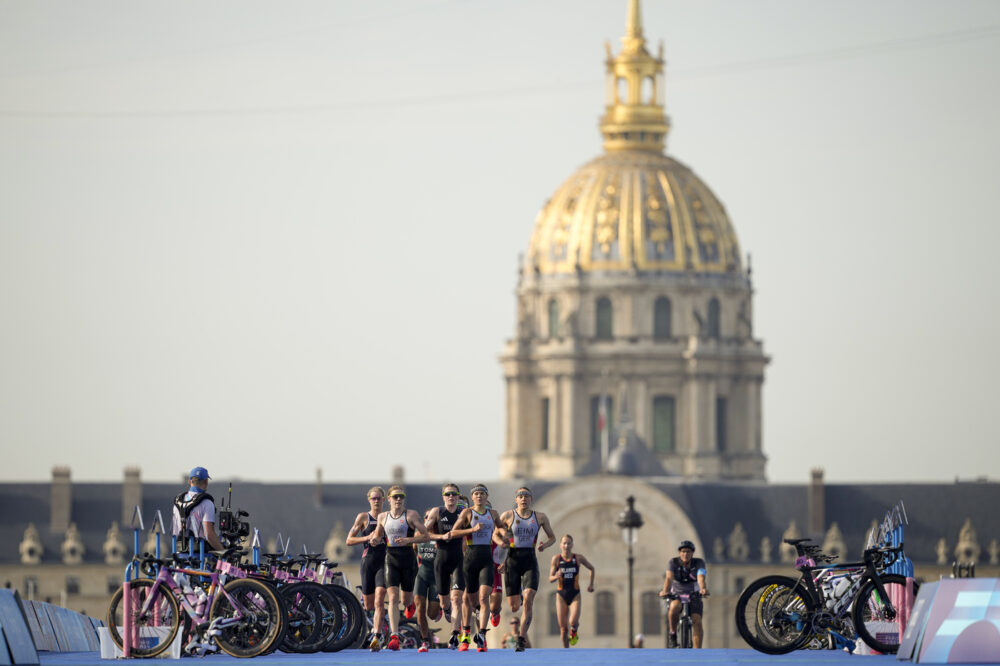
(373,556)
(565,572)
(478,524)
(425,591)
(448,576)
(396,527)
(685,574)
(520,569)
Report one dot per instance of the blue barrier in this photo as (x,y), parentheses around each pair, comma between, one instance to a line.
(18,645)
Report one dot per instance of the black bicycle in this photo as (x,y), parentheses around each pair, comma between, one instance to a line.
(777,614)
(685,625)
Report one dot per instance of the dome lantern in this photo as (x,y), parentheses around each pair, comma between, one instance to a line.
(634,117)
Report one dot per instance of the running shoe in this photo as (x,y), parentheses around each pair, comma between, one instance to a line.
(495,618)
(447,614)
(480,641)
(424,647)
(453,641)
(410,610)
(393,642)
(463,643)
(573,637)
(521,644)
(671,640)
(375,645)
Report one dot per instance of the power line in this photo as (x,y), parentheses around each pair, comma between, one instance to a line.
(842,53)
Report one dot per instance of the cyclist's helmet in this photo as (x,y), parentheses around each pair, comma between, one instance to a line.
(686,544)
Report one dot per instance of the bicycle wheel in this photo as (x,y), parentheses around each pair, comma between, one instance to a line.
(249,616)
(870,613)
(684,634)
(772,616)
(305,618)
(155,627)
(353,622)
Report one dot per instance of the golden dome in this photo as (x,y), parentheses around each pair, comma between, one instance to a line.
(634,208)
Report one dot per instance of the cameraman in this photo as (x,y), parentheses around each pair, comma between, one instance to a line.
(194,512)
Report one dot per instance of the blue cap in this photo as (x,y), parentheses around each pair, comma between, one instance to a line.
(199,473)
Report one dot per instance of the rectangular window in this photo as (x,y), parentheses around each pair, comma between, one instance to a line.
(652,614)
(720,424)
(30,588)
(664,428)
(545,424)
(596,421)
(605,603)
(72,585)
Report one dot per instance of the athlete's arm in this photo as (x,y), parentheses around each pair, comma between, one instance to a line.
(413,518)
(465,519)
(378,536)
(499,525)
(702,586)
(585,562)
(669,578)
(543,522)
(431,523)
(554,569)
(359,524)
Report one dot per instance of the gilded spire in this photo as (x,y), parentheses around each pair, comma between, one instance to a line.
(634,117)
(633,40)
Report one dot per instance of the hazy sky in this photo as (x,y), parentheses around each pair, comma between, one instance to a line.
(269,236)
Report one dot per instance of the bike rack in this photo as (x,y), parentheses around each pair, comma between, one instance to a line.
(255,547)
(128,627)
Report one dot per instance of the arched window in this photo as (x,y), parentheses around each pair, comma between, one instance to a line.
(553,618)
(604,331)
(661,318)
(713,318)
(553,318)
(652,614)
(605,603)
(648,88)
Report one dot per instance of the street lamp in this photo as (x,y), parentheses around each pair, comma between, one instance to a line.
(630,521)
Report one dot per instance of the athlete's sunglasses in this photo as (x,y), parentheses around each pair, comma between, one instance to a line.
(376,499)
(400,496)
(523,494)
(450,494)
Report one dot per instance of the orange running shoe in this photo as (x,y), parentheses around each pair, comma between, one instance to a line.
(393,642)
(424,647)
(495,618)
(410,610)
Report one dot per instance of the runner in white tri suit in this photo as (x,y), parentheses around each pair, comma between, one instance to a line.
(520,569)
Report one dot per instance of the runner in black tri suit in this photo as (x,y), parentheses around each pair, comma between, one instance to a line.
(425,590)
(565,572)
(478,524)
(396,527)
(373,557)
(448,562)
(520,569)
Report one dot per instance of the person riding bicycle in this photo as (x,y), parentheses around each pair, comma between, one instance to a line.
(194,513)
(685,575)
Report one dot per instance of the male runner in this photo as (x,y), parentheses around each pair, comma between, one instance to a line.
(520,570)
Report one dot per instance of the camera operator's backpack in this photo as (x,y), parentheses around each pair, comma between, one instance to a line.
(184,508)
